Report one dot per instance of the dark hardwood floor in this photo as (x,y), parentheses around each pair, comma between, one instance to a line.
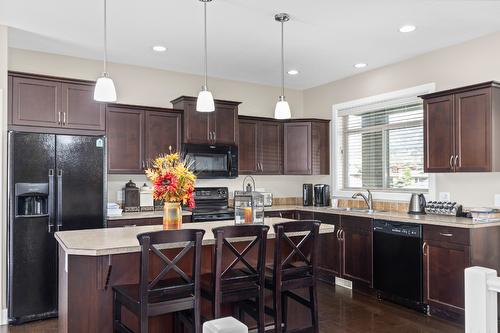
(341,311)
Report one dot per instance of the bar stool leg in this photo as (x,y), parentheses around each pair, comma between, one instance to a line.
(260,308)
(314,308)
(284,306)
(117,313)
(278,312)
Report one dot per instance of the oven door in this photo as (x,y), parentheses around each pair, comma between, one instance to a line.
(212,161)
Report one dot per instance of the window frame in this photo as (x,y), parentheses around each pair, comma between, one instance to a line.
(353,107)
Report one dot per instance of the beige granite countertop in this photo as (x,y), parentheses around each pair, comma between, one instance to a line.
(99,242)
(442,220)
(143,215)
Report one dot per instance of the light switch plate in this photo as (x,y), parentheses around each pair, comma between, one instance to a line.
(497,200)
(119,196)
(444,196)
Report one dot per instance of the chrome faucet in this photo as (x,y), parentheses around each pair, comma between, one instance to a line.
(368,200)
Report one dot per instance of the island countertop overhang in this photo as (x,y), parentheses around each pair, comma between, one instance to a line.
(110,241)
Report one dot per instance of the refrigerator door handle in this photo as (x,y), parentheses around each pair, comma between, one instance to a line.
(59,199)
(51,201)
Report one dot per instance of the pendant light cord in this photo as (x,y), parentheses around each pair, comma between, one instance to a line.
(205,41)
(282,60)
(105,38)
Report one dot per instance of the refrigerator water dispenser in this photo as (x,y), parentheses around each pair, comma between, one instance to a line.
(32,199)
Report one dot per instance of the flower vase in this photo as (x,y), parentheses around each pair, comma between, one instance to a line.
(172,216)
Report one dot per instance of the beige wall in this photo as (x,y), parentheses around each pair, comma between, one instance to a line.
(153,87)
(468,63)
(3,170)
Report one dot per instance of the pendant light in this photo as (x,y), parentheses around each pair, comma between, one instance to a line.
(205,101)
(282,110)
(105,88)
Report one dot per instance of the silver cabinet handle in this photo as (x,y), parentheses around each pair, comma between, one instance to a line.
(59,199)
(59,118)
(456,160)
(424,246)
(446,234)
(338,237)
(64,118)
(451,161)
(210,136)
(215,136)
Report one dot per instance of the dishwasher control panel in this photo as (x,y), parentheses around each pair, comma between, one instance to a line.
(397,228)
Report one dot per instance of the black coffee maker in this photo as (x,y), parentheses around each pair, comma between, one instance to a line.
(321,195)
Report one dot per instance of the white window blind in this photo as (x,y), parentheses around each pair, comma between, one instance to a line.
(380,146)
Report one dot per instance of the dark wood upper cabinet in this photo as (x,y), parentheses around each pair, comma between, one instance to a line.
(307,147)
(137,134)
(218,127)
(125,133)
(248,149)
(50,102)
(260,146)
(80,111)
(36,102)
(162,131)
(462,129)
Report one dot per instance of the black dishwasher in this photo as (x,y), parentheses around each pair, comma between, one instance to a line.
(397,263)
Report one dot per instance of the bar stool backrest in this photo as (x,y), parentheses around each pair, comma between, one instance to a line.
(151,243)
(302,238)
(252,271)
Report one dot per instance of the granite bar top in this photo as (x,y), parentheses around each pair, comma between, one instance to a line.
(99,242)
(143,215)
(441,220)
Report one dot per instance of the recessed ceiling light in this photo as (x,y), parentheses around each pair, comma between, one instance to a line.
(360,65)
(407,28)
(159,48)
(293,72)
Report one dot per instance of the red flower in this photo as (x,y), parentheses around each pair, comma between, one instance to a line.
(190,202)
(164,184)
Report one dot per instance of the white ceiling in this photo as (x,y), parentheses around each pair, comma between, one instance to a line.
(324,39)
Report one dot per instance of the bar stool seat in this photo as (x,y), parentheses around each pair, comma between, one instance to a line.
(162,295)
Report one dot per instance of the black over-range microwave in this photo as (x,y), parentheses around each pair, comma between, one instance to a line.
(212,161)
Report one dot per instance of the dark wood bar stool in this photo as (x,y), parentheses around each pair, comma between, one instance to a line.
(162,295)
(294,270)
(241,279)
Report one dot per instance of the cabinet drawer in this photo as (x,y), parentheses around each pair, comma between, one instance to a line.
(356,223)
(447,234)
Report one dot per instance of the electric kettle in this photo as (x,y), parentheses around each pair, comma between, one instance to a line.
(417,204)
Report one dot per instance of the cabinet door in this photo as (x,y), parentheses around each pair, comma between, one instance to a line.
(224,124)
(125,140)
(444,265)
(80,111)
(271,147)
(439,137)
(356,238)
(196,124)
(248,149)
(162,130)
(473,131)
(329,260)
(297,143)
(36,102)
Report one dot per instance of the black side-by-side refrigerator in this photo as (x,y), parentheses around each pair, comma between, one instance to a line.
(56,182)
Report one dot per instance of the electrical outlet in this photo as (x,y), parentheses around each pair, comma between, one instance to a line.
(444,196)
(497,200)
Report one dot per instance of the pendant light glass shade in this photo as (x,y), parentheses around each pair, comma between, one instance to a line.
(282,110)
(205,101)
(105,89)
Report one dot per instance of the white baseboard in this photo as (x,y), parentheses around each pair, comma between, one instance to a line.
(4,319)
(343,283)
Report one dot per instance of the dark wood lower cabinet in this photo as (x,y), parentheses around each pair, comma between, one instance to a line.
(356,237)
(329,260)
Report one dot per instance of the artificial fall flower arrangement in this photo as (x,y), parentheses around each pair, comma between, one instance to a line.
(173,179)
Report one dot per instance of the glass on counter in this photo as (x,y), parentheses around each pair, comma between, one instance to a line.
(248,207)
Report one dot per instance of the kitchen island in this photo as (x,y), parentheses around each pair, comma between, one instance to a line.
(91,262)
